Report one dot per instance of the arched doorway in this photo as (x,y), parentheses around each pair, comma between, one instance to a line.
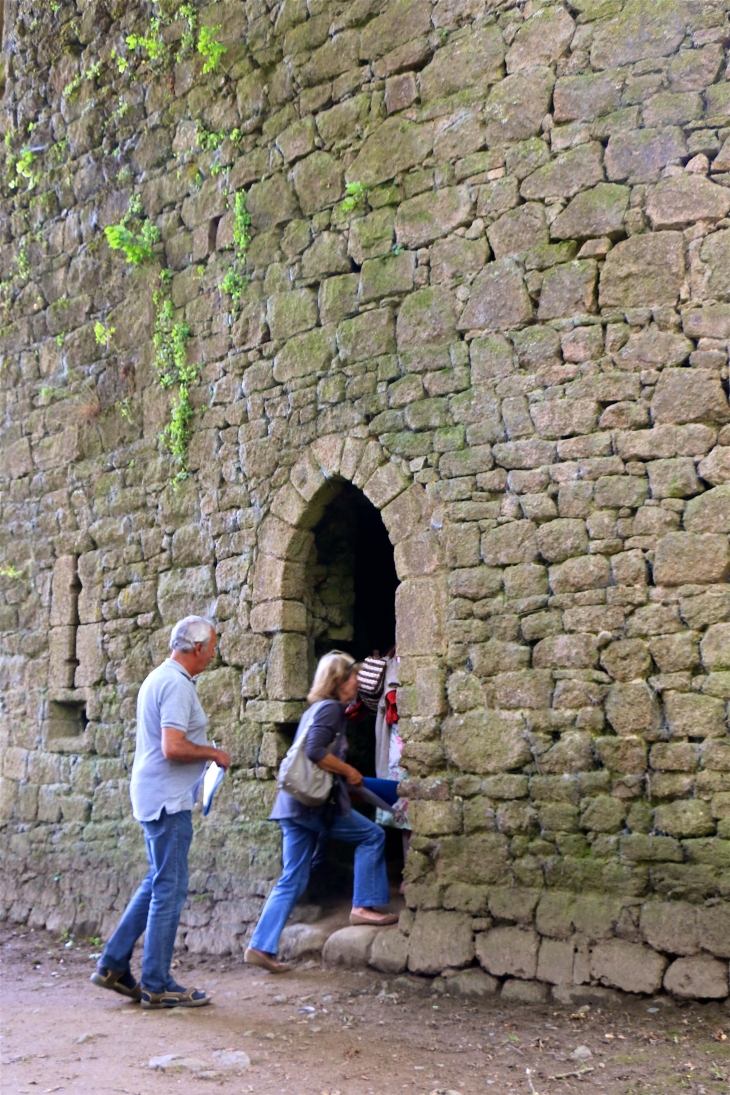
(350,589)
(350,579)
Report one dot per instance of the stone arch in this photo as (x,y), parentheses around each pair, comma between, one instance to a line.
(285,539)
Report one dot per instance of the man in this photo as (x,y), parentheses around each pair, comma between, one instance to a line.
(169,762)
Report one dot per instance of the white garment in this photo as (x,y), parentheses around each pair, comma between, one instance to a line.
(388,752)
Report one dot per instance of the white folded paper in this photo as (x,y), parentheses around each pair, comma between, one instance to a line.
(211,782)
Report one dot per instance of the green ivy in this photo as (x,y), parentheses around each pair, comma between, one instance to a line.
(187,42)
(235,280)
(356,195)
(152,43)
(137,246)
(103,334)
(208,139)
(210,48)
(170,342)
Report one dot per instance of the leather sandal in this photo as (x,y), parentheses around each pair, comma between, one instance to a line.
(373,919)
(266,961)
(182,998)
(118,981)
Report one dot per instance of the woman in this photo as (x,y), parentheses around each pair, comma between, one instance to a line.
(334,687)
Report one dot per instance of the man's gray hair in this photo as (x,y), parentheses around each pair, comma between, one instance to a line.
(186,633)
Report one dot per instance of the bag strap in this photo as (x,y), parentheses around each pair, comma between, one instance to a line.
(305,724)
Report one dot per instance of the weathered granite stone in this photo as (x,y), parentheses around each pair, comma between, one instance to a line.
(643,270)
(423,219)
(476,59)
(485,742)
(509,951)
(440,940)
(598,211)
(516,106)
(682,199)
(699,978)
(628,966)
(498,299)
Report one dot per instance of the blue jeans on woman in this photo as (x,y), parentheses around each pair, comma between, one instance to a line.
(156,906)
(299,840)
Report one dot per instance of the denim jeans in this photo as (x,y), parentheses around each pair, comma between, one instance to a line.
(299,839)
(156,906)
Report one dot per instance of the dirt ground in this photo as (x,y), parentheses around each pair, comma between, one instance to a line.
(345,1032)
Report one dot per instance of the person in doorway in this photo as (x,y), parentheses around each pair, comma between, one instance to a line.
(334,687)
(389,751)
(169,761)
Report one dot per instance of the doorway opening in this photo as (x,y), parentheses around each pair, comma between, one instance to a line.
(351,583)
(351,580)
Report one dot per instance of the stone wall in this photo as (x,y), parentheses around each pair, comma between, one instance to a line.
(512,338)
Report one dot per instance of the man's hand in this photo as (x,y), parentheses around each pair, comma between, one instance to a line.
(353,777)
(221,758)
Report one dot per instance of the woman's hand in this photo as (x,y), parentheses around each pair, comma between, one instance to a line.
(340,768)
(353,777)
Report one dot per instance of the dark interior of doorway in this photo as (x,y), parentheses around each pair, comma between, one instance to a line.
(356,574)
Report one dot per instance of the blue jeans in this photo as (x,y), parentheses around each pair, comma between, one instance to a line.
(156,906)
(300,838)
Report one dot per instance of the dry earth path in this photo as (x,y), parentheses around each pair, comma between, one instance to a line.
(334,1032)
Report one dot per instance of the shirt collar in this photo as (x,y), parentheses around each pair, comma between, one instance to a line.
(180,669)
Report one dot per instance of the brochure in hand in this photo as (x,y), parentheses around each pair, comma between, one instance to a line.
(211,782)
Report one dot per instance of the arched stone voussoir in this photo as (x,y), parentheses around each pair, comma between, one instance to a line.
(284,541)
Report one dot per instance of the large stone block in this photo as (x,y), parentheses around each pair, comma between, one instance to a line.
(366,336)
(518,230)
(486,741)
(349,946)
(541,39)
(567,290)
(420,615)
(186,592)
(440,940)
(685,818)
(633,709)
(683,557)
(628,966)
(698,978)
(64,592)
(90,655)
(565,176)
(287,676)
(427,318)
(644,270)
(271,202)
(395,146)
(499,299)
(682,199)
(510,544)
(555,962)
(560,539)
(474,59)
(509,952)
(599,211)
(389,952)
(670,926)
(713,923)
(586,96)
(516,107)
(692,714)
(710,512)
(642,30)
(689,395)
(422,219)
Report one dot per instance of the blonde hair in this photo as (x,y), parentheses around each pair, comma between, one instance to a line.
(332,671)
